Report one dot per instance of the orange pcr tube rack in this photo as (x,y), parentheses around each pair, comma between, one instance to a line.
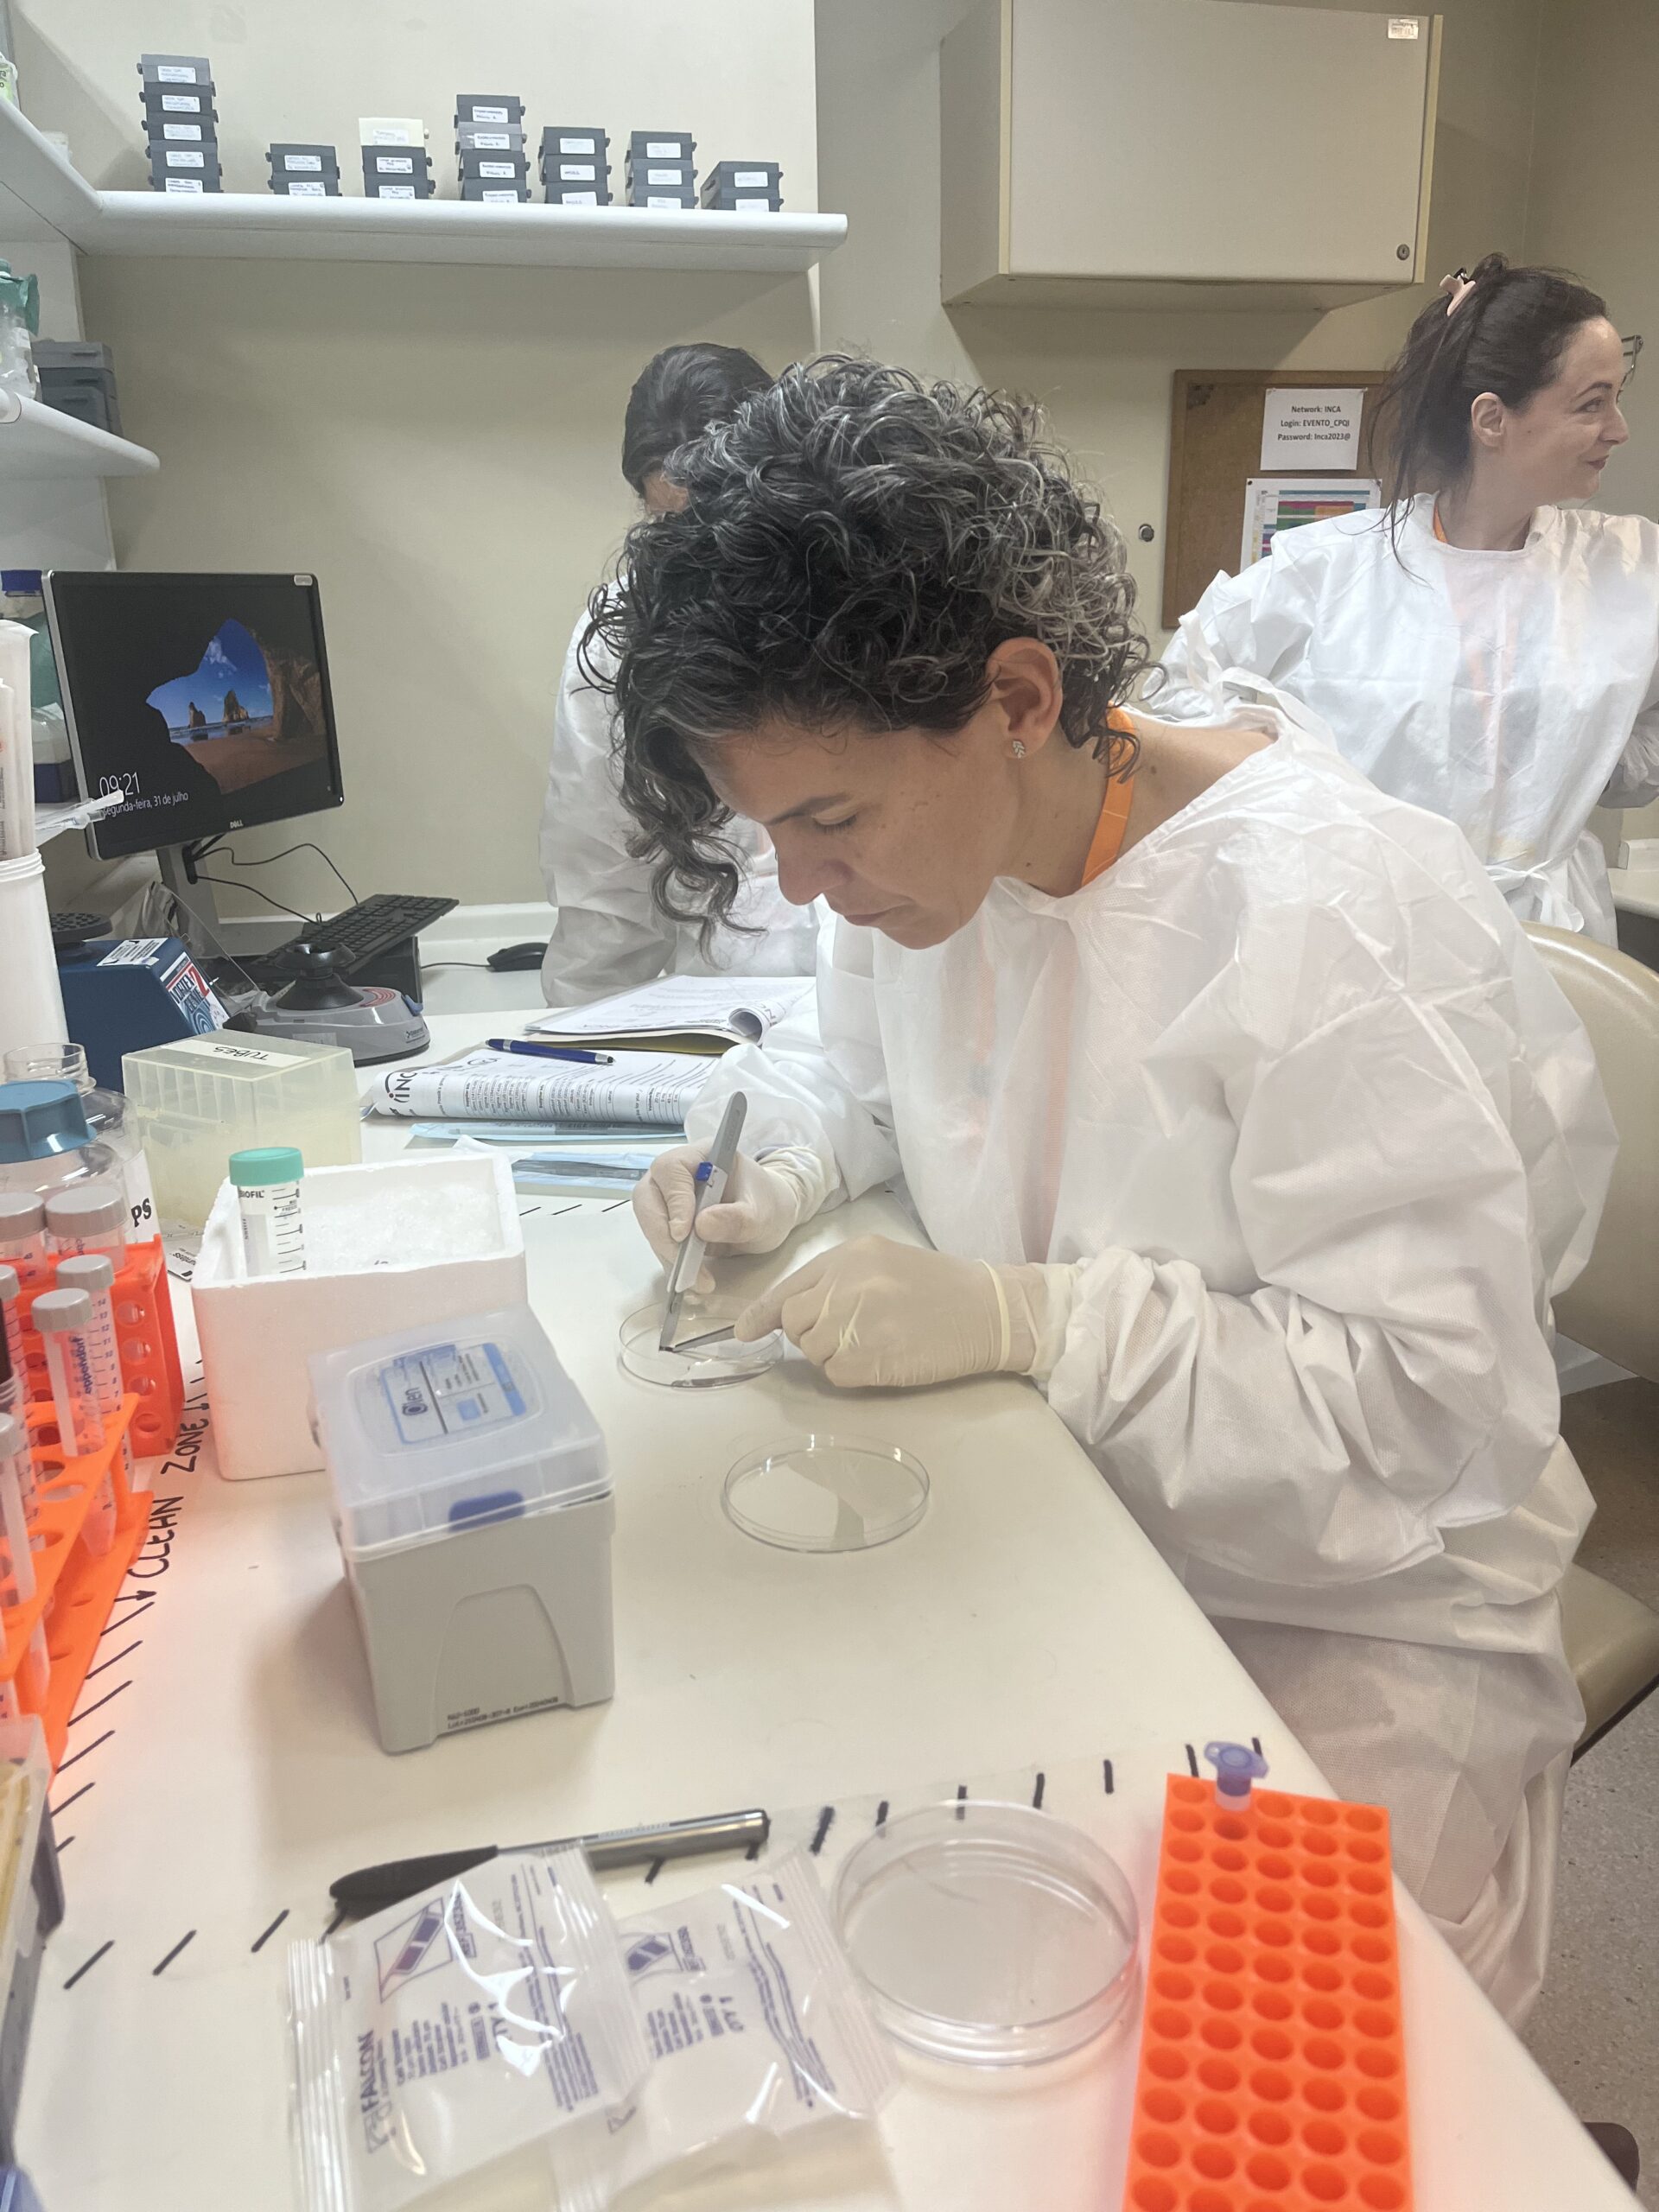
(1271,2071)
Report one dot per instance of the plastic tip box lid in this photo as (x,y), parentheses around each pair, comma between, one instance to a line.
(434,1430)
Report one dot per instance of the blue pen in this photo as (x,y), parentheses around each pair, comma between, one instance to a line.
(549,1052)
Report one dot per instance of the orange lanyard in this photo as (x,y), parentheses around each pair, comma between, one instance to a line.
(1438,532)
(1107,841)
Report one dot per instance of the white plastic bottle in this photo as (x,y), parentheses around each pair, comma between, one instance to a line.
(267,1180)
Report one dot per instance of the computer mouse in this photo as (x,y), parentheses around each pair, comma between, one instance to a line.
(509,958)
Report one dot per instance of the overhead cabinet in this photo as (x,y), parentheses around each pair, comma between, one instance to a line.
(1183,153)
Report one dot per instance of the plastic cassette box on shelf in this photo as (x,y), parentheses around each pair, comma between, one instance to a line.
(1273,2066)
(306,172)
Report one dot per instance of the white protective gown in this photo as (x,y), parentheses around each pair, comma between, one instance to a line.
(1290,1093)
(1511,692)
(609,934)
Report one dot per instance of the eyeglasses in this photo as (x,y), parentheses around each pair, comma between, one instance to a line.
(1631,349)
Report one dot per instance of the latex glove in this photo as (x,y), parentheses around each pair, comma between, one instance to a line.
(872,1312)
(764,1201)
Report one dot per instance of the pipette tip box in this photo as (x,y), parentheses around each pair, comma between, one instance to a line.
(1273,2064)
(473,1507)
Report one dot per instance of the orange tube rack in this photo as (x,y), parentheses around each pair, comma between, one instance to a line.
(74,1588)
(1272,2060)
(145,1339)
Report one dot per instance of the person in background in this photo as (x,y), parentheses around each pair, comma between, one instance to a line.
(609,935)
(1477,648)
(1240,1113)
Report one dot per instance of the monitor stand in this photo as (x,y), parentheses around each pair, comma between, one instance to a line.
(178,873)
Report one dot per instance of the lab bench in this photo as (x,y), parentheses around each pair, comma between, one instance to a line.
(223,1769)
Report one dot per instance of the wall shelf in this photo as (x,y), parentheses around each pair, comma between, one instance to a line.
(38,442)
(41,196)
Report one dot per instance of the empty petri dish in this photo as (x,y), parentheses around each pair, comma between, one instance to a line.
(718,1358)
(989,1934)
(818,1493)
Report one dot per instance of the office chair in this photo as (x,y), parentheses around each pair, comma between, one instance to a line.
(1611,1638)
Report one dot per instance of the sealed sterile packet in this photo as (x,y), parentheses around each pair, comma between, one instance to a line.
(444,2033)
(757,2031)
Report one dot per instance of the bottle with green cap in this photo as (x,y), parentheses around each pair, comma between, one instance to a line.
(267,1180)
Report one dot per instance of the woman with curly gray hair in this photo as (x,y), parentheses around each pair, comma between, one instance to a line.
(1240,1113)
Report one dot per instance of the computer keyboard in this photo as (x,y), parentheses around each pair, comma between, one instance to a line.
(364,932)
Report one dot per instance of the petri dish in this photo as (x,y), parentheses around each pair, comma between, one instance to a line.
(822,1493)
(692,1366)
(989,1934)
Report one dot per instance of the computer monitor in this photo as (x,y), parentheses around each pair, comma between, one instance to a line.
(203,699)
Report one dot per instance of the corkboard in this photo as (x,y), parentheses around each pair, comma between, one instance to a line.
(1215,448)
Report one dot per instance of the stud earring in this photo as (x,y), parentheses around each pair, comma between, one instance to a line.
(1019,748)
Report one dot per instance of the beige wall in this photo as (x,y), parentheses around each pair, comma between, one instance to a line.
(439,445)
(1594,208)
(1105,375)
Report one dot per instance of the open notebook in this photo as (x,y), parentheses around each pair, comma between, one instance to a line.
(703,1014)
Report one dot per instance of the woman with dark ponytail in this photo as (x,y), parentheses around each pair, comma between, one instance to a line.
(1478,648)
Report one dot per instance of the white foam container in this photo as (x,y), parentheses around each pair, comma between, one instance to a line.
(257,1335)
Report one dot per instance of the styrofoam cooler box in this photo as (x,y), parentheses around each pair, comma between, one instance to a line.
(257,1334)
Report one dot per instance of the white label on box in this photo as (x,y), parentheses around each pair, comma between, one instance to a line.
(391,129)
(394,165)
(181,160)
(182,130)
(496,169)
(312,161)
(488,114)
(577,146)
(185,184)
(1306,426)
(134,953)
(1402,26)
(229,1049)
(659,202)
(750,176)
(451,1389)
(495,192)
(660,146)
(395,192)
(493,139)
(577,200)
(307,188)
(753,199)
(663,176)
(579,172)
(174,73)
(181,103)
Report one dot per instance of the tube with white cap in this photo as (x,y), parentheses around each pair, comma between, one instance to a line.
(12,1326)
(63,1318)
(34,1669)
(95,1272)
(90,1216)
(267,1180)
(23,1220)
